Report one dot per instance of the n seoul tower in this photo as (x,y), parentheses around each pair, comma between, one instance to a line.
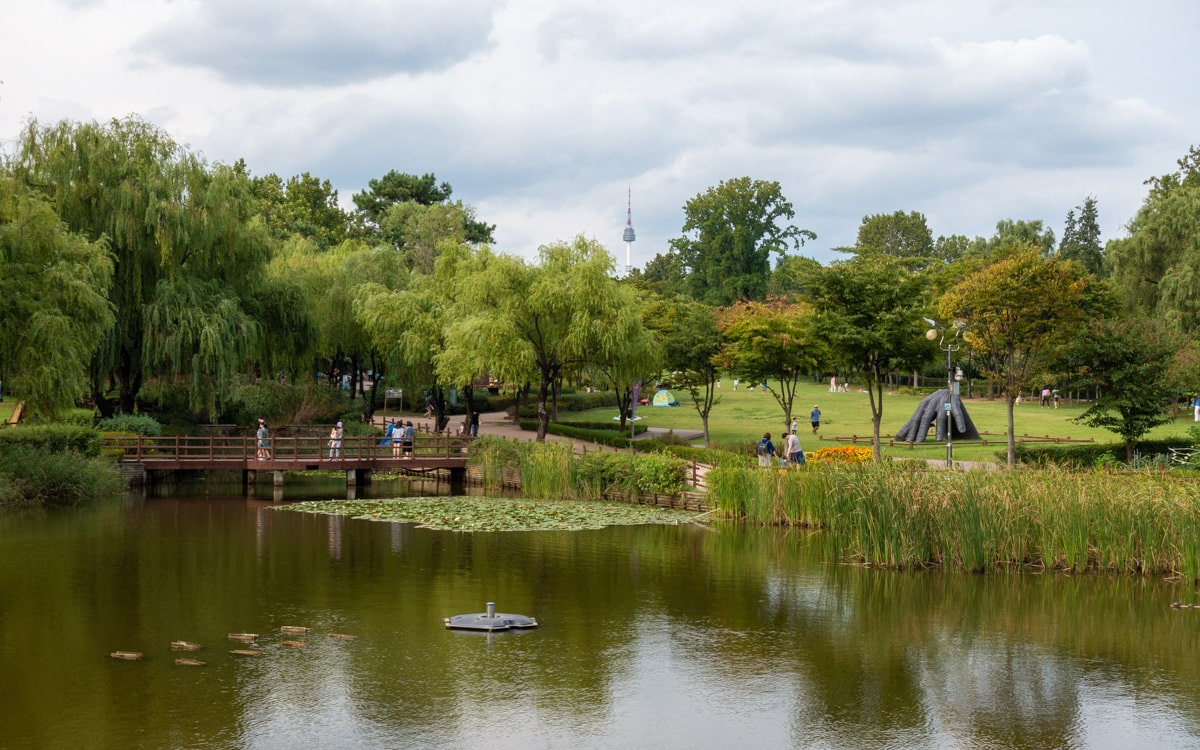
(628,237)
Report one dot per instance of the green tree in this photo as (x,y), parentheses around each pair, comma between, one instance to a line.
(869,313)
(730,232)
(395,188)
(54,309)
(1013,235)
(773,340)
(1015,310)
(1128,362)
(637,359)
(304,205)
(898,235)
(558,315)
(1157,268)
(179,232)
(691,342)
(1081,238)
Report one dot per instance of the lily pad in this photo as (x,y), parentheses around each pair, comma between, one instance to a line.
(497,513)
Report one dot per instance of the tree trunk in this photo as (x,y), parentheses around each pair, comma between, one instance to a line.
(543,415)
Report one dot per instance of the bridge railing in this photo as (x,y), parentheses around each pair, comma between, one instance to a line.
(295,449)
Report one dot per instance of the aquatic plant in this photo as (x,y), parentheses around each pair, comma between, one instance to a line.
(496,513)
(908,516)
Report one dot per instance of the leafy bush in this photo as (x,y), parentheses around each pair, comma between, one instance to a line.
(30,477)
(601,470)
(660,473)
(52,438)
(1084,456)
(573,402)
(601,437)
(136,424)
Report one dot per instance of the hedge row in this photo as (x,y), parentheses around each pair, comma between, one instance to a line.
(52,438)
(1087,455)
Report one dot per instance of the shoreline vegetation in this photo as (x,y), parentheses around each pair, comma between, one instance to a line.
(906,515)
(1042,519)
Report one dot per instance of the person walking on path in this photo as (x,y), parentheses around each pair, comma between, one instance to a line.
(475,424)
(1196,408)
(335,441)
(765,451)
(262,441)
(795,454)
(814,418)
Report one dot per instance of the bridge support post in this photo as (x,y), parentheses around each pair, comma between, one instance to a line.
(356,477)
(278,479)
(249,476)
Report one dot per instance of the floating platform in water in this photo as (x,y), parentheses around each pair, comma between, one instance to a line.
(490,621)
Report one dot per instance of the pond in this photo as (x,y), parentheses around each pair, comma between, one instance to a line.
(660,636)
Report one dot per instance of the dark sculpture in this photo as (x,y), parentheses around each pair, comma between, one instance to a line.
(932,411)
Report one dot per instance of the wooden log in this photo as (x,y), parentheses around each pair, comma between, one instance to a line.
(184,662)
(184,646)
(127,655)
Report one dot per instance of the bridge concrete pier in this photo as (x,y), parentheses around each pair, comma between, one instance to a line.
(356,477)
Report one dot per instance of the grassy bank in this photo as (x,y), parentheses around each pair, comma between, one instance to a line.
(741,417)
(904,516)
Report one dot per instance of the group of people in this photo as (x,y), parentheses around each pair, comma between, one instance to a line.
(399,435)
(792,455)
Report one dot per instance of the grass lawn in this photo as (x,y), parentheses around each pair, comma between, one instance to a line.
(6,409)
(741,417)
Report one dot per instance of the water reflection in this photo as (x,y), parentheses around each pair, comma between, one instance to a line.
(680,636)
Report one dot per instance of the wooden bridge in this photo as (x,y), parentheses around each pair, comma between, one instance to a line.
(142,457)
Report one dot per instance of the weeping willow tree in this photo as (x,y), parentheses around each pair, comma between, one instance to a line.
(561,314)
(414,325)
(53,310)
(188,253)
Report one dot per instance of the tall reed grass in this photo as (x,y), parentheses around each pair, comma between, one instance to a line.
(908,516)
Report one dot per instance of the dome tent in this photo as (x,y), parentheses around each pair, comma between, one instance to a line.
(663,397)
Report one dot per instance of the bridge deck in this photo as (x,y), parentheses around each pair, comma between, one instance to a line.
(286,454)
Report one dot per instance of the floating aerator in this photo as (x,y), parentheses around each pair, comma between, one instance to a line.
(489,621)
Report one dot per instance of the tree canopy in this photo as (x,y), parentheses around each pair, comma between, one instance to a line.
(730,233)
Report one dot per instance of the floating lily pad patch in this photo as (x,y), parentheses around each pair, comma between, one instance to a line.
(497,513)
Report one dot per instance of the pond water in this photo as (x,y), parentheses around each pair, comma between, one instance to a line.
(688,636)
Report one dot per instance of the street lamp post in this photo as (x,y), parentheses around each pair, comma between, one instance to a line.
(949,344)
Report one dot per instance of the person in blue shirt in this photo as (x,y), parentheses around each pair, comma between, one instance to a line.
(765,451)
(814,418)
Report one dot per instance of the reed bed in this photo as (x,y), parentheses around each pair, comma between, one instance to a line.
(909,517)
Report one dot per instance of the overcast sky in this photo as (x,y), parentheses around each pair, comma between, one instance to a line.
(543,113)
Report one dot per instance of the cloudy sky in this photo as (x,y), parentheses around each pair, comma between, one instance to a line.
(543,113)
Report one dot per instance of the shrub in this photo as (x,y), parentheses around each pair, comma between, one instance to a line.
(30,477)
(136,424)
(52,438)
(660,473)
(1084,456)
(602,437)
(602,470)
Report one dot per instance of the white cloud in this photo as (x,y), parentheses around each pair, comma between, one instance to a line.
(542,114)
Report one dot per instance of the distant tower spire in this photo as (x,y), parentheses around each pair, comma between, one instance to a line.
(628,237)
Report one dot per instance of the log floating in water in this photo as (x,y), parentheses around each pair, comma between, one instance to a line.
(293,629)
(342,637)
(184,646)
(294,644)
(183,662)
(243,636)
(246,651)
(126,655)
